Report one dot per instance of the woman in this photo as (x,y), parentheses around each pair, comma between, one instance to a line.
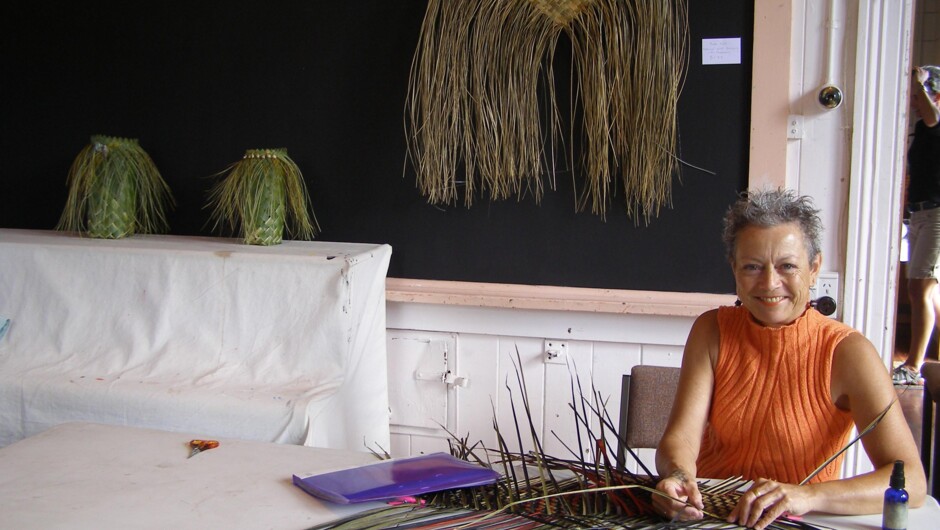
(923,203)
(770,388)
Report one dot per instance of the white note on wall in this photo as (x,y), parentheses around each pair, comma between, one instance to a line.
(721,51)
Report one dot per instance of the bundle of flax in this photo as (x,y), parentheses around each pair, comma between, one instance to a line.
(481,108)
(262,195)
(115,191)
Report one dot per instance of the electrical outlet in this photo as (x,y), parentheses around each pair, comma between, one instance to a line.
(556,351)
(827,284)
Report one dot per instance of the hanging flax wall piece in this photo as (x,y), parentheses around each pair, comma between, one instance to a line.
(481,110)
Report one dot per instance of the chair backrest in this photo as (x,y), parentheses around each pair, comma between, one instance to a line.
(931,372)
(930,438)
(647,393)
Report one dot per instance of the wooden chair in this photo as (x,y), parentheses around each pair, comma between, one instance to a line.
(647,393)
(930,441)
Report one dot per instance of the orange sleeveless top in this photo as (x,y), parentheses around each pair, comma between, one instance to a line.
(772,414)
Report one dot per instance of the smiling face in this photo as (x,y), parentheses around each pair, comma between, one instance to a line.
(773,273)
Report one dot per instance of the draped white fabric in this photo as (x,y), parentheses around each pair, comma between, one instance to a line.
(283,343)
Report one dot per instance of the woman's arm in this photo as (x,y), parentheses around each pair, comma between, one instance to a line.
(678,450)
(861,385)
(925,104)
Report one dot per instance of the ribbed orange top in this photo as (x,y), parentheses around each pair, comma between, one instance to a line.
(772,414)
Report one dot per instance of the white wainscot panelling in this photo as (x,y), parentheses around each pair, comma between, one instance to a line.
(422,377)
(663,355)
(493,364)
(521,363)
(480,360)
(591,381)
(562,325)
(493,368)
(413,444)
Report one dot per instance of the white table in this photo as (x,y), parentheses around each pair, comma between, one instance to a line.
(91,476)
(926,517)
(283,343)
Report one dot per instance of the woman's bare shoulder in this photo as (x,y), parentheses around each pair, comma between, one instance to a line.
(859,374)
(708,319)
(704,338)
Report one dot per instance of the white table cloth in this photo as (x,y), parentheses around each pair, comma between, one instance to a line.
(80,476)
(283,343)
(88,476)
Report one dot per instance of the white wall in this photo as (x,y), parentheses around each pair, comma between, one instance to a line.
(818,164)
(485,346)
(926,48)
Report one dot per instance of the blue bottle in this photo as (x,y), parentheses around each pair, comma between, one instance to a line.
(894,515)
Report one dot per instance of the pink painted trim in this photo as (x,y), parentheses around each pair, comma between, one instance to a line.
(770,92)
(552,298)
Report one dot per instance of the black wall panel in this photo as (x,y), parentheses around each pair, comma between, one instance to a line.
(198,83)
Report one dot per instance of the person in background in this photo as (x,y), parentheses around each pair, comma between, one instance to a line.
(923,204)
(770,388)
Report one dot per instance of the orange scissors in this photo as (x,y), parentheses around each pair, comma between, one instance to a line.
(201,445)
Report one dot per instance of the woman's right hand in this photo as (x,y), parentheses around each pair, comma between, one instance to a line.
(679,485)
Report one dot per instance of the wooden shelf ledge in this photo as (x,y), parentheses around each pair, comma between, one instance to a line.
(552,298)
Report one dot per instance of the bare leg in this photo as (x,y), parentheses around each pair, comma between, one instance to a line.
(924,305)
(935,352)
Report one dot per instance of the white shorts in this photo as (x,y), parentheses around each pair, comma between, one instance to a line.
(924,242)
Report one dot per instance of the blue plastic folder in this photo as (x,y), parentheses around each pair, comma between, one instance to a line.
(396,478)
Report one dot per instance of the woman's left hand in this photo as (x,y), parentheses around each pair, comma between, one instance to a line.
(767,500)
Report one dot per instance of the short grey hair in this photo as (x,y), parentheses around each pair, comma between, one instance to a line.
(769,208)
